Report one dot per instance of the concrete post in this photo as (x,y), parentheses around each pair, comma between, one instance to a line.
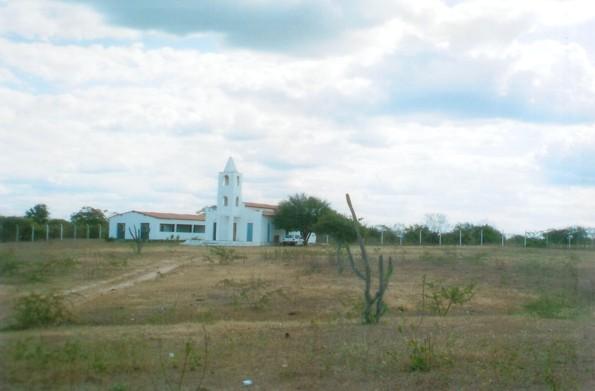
(61,231)
(47,232)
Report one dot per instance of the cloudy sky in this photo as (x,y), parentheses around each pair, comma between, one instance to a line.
(482,110)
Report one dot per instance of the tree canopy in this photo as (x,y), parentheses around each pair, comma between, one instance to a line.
(39,214)
(88,215)
(300,213)
(337,226)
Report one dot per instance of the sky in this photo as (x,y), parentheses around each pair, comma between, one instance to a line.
(483,111)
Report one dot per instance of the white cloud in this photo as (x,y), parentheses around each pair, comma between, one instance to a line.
(148,127)
(49,20)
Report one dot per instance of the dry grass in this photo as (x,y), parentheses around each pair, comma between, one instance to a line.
(284,318)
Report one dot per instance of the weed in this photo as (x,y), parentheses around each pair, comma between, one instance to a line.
(442,297)
(37,309)
(9,265)
(222,255)
(556,306)
(421,354)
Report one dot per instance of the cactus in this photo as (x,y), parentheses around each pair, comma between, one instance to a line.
(138,239)
(374,306)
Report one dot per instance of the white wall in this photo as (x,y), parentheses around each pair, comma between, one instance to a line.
(132,219)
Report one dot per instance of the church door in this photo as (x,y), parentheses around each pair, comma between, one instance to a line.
(249,232)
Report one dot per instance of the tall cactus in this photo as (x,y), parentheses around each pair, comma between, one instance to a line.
(138,239)
(374,306)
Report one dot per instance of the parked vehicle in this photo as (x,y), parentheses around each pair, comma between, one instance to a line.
(292,239)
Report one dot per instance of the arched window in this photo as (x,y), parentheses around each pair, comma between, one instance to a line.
(226,180)
(237,201)
(224,200)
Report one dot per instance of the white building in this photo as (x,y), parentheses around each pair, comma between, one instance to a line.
(157,226)
(230,222)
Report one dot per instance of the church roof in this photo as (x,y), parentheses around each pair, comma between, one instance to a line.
(173,216)
(259,205)
(230,166)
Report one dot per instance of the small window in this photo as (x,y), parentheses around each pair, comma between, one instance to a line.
(198,229)
(226,180)
(166,227)
(237,201)
(183,227)
(224,200)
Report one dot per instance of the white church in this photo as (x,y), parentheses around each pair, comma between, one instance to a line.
(231,222)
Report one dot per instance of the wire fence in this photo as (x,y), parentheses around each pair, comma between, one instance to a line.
(32,232)
(20,231)
(562,239)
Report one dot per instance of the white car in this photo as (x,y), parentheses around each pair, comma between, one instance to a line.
(292,239)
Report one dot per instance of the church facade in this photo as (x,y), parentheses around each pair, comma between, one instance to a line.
(232,221)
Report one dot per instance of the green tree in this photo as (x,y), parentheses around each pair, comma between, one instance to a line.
(39,214)
(88,215)
(339,228)
(300,213)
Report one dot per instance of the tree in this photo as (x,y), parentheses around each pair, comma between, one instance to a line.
(88,215)
(340,228)
(300,213)
(39,214)
(437,223)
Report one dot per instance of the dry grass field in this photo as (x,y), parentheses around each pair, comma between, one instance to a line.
(185,318)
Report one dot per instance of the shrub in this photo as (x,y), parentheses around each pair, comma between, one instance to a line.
(554,307)
(421,354)
(222,255)
(442,297)
(37,309)
(9,265)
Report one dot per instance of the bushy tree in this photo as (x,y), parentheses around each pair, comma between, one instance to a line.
(300,213)
(38,214)
(338,227)
(88,215)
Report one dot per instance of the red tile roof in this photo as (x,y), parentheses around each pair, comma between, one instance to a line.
(260,206)
(173,216)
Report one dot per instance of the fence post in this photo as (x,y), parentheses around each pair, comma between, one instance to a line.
(502,245)
(74,231)
(481,238)
(32,232)
(87,231)
(525,241)
(440,238)
(100,233)
(47,232)
(420,237)
(17,233)
(381,238)
(61,231)
(401,240)
(460,238)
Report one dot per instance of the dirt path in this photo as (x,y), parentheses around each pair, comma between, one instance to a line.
(86,292)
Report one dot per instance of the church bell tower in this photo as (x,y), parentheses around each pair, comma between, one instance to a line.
(229,202)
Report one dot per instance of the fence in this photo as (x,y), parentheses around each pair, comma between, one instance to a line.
(488,237)
(17,232)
